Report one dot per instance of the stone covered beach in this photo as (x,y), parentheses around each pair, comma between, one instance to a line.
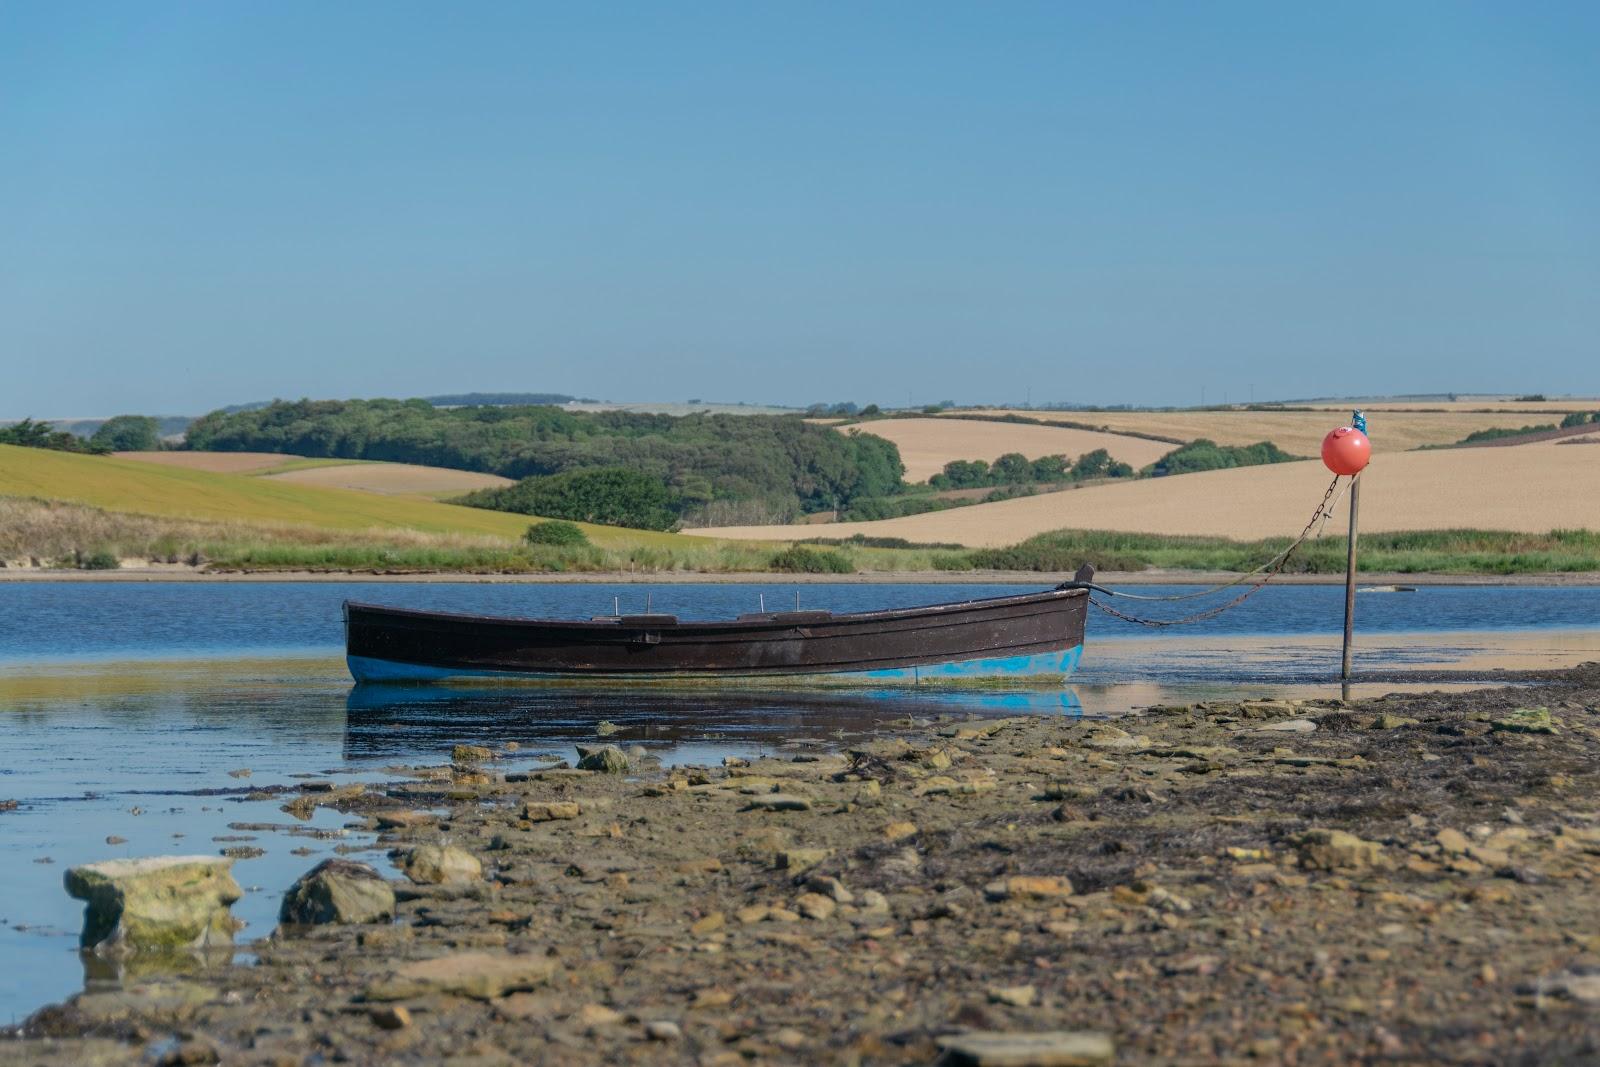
(1402,880)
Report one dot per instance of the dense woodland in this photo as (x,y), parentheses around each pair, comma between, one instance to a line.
(709,468)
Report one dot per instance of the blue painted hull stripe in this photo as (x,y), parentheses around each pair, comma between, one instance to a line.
(1061,662)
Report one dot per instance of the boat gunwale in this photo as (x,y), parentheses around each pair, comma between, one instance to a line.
(613,624)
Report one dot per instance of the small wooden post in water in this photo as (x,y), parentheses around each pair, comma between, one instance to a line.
(1350,578)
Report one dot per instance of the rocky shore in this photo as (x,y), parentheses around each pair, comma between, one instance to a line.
(1403,880)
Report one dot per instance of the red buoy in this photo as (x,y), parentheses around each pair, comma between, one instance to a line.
(1346,450)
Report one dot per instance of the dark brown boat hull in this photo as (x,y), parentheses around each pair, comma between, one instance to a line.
(1035,635)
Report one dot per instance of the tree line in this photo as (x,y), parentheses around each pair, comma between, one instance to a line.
(1014,468)
(585,464)
(122,433)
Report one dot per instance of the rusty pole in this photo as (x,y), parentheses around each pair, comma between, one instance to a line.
(1350,578)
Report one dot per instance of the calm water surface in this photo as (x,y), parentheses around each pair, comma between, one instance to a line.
(123,708)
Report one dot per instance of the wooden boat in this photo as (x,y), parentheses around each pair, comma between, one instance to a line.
(1037,636)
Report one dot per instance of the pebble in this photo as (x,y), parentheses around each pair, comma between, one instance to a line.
(1054,1048)
(1322,849)
(478,975)
(873,901)
(709,923)
(442,865)
(1018,996)
(789,1038)
(831,888)
(799,859)
(551,811)
(778,802)
(1023,887)
(662,1030)
(391,1017)
(1288,726)
(815,906)
(607,759)
(598,1015)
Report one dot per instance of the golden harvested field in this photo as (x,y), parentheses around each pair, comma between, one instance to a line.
(1531,489)
(1300,432)
(926,445)
(215,462)
(392,479)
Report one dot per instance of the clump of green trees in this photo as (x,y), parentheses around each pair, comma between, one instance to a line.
(128,433)
(775,466)
(612,496)
(1204,455)
(1014,468)
(555,532)
(1496,433)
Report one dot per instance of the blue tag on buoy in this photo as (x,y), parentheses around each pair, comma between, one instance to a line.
(1358,420)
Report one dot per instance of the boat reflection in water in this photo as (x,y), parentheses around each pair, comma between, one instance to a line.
(414,722)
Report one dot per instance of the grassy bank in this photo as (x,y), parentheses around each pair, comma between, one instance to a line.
(1425,551)
(72,536)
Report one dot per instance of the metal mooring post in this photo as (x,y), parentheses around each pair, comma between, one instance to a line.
(1350,578)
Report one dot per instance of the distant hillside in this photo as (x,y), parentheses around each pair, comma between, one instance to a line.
(463,400)
(168,425)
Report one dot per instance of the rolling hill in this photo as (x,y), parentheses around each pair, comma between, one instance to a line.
(1528,489)
(162,490)
(1300,432)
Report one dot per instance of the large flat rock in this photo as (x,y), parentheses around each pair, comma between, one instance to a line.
(480,975)
(159,903)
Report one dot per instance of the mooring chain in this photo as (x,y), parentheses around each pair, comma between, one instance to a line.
(1268,570)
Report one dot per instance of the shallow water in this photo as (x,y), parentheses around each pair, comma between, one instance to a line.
(123,708)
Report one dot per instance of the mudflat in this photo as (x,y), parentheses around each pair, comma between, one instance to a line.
(1406,879)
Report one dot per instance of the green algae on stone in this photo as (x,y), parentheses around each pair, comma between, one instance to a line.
(1527,721)
(159,903)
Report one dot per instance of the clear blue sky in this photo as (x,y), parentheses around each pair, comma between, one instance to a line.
(207,203)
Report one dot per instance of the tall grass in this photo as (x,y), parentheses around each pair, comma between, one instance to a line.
(65,535)
(1432,551)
